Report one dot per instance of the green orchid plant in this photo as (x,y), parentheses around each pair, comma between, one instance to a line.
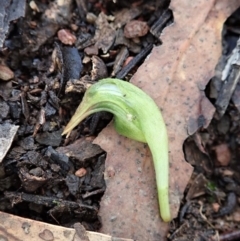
(137,117)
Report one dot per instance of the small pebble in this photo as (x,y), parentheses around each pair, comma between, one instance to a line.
(66,37)
(34,6)
(74,27)
(81,172)
(91,18)
(127,61)
(5,73)
(223,155)
(215,207)
(86,60)
(236,216)
(135,28)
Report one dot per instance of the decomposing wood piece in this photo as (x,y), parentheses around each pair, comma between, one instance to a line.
(125,15)
(32,182)
(58,158)
(181,229)
(78,86)
(236,97)
(56,15)
(82,8)
(183,212)
(17,197)
(96,119)
(227,90)
(230,76)
(33,99)
(196,155)
(91,18)
(121,40)
(99,69)
(49,110)
(97,174)
(198,187)
(49,138)
(229,236)
(4,109)
(9,11)
(84,41)
(8,182)
(89,194)
(53,100)
(103,38)
(73,183)
(26,229)
(162,3)
(122,55)
(6,73)
(233,59)
(135,29)
(158,26)
(81,150)
(57,59)
(91,50)
(105,34)
(216,83)
(43,99)
(7,134)
(58,12)
(68,62)
(72,63)
(228,208)
(6,90)
(25,108)
(134,62)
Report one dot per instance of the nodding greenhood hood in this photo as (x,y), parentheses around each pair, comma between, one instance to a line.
(136,116)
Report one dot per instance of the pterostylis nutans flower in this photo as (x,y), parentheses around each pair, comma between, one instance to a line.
(136,116)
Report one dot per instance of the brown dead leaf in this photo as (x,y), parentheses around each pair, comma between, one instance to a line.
(175,75)
(7,134)
(16,228)
(130,201)
(197,187)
